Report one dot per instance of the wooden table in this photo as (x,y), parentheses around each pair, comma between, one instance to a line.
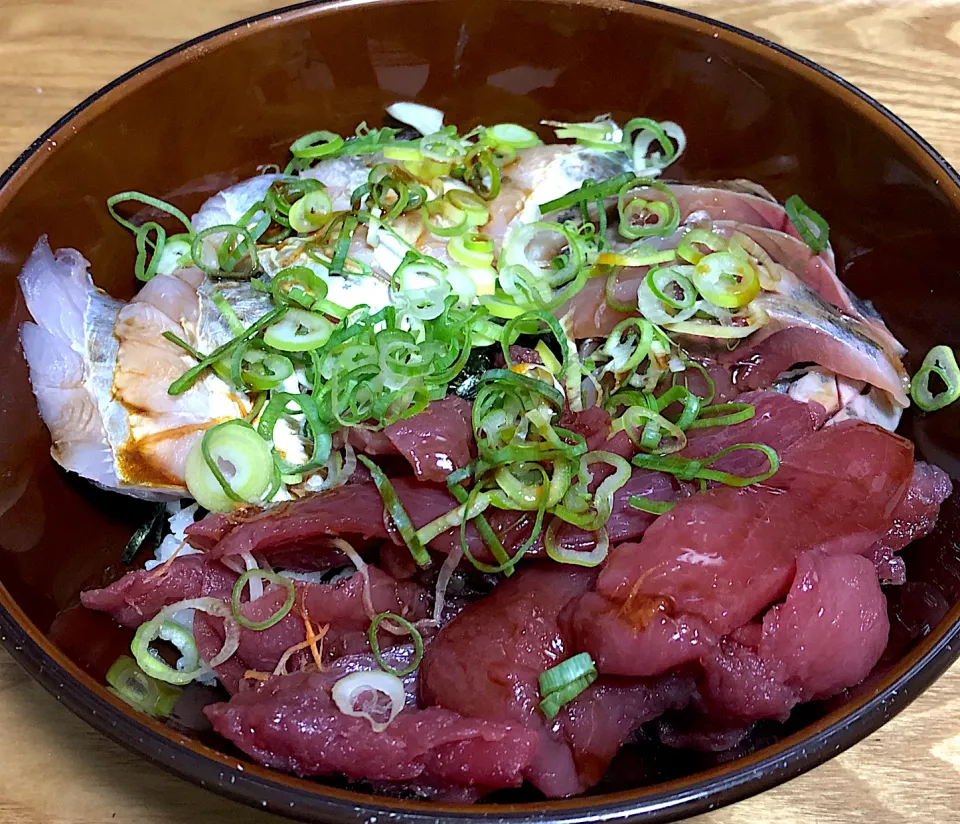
(54,768)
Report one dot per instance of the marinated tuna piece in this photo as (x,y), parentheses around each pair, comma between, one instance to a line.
(827,636)
(339,607)
(501,644)
(437,441)
(434,745)
(832,628)
(637,638)
(139,595)
(728,553)
(598,722)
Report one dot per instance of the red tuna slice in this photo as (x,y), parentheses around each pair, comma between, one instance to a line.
(916,513)
(778,421)
(642,641)
(593,424)
(738,686)
(438,440)
(434,745)
(729,552)
(340,606)
(914,517)
(833,627)
(138,596)
(498,646)
(353,512)
(598,722)
(299,531)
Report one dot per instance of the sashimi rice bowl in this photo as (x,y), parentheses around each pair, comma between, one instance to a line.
(474,456)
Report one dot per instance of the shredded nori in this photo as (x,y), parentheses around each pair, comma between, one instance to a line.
(467,382)
(148,533)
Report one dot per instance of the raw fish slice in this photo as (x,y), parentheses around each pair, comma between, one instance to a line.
(70,361)
(423,746)
(817,272)
(833,627)
(727,553)
(500,645)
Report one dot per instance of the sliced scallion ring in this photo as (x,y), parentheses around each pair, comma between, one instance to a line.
(394,508)
(357,684)
(939,361)
(726,280)
(154,666)
(375,643)
(277,616)
(514,135)
(315,145)
(139,690)
(298,331)
(310,212)
(231,464)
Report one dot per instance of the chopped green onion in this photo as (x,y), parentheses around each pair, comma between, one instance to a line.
(511,134)
(153,665)
(278,406)
(726,280)
(277,616)
(375,644)
(310,212)
(588,193)
(489,537)
(358,685)
(576,557)
(261,370)
(342,247)
(235,241)
(810,225)
(232,447)
(394,508)
(939,361)
(564,682)
(192,375)
(724,414)
(229,315)
(139,690)
(652,507)
(471,204)
(687,248)
(189,666)
(316,145)
(298,331)
(666,212)
(688,470)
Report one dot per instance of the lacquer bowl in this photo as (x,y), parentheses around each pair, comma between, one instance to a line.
(207,113)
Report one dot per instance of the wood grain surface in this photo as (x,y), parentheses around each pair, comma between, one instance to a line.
(54,769)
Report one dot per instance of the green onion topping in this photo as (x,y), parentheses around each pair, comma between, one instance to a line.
(941,362)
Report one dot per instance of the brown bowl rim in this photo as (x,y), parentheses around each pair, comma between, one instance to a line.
(285,795)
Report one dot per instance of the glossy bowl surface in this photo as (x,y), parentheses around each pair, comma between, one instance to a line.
(207,113)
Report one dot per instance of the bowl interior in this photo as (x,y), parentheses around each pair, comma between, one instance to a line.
(209,115)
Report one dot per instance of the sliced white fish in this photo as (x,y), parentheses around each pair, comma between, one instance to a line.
(101,369)
(228,206)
